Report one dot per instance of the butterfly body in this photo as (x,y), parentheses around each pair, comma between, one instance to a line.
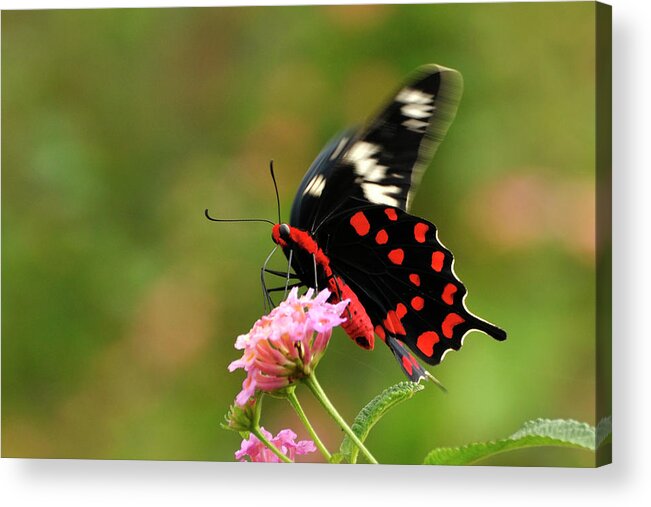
(306,254)
(350,229)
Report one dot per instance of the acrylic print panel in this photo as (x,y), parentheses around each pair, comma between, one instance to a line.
(453,202)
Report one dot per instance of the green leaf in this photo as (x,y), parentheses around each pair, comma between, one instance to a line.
(373,412)
(537,433)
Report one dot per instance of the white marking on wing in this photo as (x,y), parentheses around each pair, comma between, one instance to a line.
(417,111)
(375,173)
(339,147)
(361,155)
(360,151)
(370,170)
(414,96)
(372,174)
(415,125)
(379,194)
(315,186)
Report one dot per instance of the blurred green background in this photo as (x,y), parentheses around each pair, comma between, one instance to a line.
(121,303)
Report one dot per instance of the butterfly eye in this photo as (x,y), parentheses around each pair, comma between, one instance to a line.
(284,231)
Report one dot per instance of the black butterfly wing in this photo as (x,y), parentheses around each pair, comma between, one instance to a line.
(404,277)
(382,163)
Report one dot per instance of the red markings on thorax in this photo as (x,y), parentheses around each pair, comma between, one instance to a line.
(306,242)
(451,320)
(360,223)
(419,232)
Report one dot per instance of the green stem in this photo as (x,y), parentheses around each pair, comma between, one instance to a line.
(293,400)
(314,386)
(256,431)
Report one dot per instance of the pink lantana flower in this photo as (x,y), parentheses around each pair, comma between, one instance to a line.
(285,441)
(286,344)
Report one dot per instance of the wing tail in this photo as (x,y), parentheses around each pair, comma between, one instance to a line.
(490,329)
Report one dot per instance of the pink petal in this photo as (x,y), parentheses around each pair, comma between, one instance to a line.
(238,363)
(305,447)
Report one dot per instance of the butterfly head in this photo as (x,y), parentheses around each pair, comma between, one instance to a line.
(281,234)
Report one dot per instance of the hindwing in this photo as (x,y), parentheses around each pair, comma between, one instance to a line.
(404,277)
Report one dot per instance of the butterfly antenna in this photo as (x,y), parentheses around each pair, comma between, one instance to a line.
(236,219)
(273,177)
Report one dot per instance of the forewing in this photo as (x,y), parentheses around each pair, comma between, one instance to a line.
(404,277)
(383,162)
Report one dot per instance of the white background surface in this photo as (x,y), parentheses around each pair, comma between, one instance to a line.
(626,482)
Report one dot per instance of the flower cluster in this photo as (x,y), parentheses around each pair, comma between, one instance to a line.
(285,441)
(286,344)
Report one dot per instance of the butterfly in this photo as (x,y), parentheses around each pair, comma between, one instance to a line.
(350,229)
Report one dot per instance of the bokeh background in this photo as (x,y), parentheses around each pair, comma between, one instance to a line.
(121,303)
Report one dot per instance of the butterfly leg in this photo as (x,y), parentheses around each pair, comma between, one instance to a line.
(267,302)
(289,270)
(285,287)
(281,274)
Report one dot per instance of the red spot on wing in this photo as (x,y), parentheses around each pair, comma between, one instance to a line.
(419,232)
(426,342)
(415,279)
(448,293)
(417,303)
(406,363)
(391,213)
(360,223)
(451,320)
(379,330)
(381,237)
(397,256)
(437,261)
(393,322)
